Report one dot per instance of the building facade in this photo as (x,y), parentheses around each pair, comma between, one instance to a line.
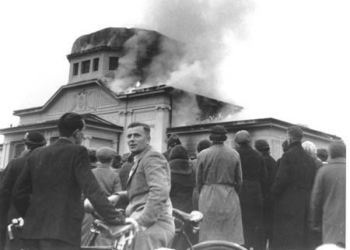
(107,85)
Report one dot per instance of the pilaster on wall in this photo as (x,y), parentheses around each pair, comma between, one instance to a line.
(5,154)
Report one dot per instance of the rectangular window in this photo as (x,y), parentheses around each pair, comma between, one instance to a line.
(113,63)
(95,64)
(75,69)
(85,67)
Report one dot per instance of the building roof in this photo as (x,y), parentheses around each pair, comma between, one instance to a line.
(234,126)
(91,120)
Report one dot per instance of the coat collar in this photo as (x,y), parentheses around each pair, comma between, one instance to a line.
(337,160)
(180,166)
(137,159)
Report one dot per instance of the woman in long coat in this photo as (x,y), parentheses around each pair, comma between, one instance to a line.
(251,196)
(219,179)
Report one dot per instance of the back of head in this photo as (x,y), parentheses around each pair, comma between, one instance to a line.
(218,134)
(309,147)
(261,146)
(173,140)
(295,133)
(178,152)
(322,154)
(70,122)
(337,149)
(203,144)
(105,154)
(92,155)
(34,140)
(285,145)
(242,137)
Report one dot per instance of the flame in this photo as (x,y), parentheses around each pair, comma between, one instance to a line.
(138,84)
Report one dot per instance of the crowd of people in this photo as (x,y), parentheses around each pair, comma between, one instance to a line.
(246,196)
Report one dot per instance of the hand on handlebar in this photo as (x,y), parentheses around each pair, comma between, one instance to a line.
(133,222)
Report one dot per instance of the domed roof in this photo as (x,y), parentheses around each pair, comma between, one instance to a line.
(114,38)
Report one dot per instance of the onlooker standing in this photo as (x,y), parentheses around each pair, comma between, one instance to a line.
(117,163)
(328,197)
(32,141)
(173,140)
(292,189)
(268,201)
(251,196)
(322,154)
(110,183)
(48,191)
(219,179)
(285,147)
(148,189)
(311,149)
(183,182)
(203,144)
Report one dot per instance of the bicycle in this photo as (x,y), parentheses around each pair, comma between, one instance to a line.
(124,234)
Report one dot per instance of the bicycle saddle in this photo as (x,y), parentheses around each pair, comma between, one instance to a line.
(194,216)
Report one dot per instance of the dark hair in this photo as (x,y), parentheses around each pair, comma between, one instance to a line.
(178,152)
(145,126)
(117,161)
(69,122)
(295,133)
(322,153)
(337,149)
(203,144)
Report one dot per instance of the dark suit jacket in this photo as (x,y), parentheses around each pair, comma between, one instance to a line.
(7,212)
(48,193)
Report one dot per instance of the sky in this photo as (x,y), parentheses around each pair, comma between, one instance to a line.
(286,59)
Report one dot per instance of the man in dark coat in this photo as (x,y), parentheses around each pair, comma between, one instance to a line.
(292,189)
(32,140)
(329,196)
(251,196)
(48,191)
(271,166)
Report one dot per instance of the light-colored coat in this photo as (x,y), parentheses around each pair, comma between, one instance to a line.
(328,201)
(219,178)
(148,189)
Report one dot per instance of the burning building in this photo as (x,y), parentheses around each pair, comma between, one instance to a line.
(120,75)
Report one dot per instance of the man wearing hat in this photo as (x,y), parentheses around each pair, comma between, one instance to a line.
(292,189)
(271,166)
(251,196)
(32,140)
(219,180)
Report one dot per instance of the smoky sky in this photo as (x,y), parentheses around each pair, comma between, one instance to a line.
(201,26)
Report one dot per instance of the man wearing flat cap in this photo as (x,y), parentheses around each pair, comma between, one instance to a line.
(219,180)
(32,140)
(251,196)
(292,189)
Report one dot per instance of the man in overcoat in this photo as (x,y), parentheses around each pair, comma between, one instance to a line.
(251,196)
(148,191)
(48,192)
(32,140)
(219,181)
(329,196)
(292,190)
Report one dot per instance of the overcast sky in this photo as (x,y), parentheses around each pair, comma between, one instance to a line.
(283,59)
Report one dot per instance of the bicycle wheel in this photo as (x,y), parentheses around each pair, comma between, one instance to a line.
(217,245)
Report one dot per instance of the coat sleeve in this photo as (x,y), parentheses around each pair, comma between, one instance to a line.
(157,175)
(199,176)
(92,189)
(282,177)
(22,190)
(238,176)
(316,203)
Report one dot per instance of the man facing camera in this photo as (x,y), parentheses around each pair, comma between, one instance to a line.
(48,191)
(148,189)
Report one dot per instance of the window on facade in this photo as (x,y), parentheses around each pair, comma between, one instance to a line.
(95,64)
(113,63)
(85,67)
(75,69)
